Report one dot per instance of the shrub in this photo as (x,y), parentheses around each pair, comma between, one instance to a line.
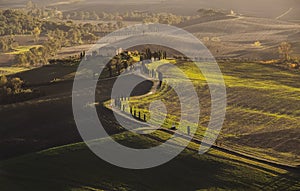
(12,91)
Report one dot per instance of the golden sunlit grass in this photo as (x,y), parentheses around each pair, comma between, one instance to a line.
(12,70)
(23,49)
(261,100)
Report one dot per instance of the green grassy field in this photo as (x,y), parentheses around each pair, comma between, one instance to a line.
(251,126)
(74,167)
(23,49)
(262,118)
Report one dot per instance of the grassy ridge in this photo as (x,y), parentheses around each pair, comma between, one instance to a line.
(74,167)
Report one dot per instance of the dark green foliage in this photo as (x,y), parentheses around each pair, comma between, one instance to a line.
(14,22)
(13,90)
(160,77)
(35,56)
(7,43)
(148,54)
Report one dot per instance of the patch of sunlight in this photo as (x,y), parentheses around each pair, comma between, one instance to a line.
(253,111)
(12,70)
(22,49)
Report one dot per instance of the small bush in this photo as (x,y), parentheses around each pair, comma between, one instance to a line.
(13,90)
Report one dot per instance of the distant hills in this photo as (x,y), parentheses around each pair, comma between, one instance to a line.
(257,8)
(266,23)
(236,36)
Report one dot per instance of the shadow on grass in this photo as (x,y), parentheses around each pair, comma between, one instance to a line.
(74,166)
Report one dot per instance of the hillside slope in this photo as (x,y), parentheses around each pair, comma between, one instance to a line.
(235,37)
(262,118)
(74,167)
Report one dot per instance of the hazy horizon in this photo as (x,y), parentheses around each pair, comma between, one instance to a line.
(265,8)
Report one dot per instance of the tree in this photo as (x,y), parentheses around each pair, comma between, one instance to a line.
(74,15)
(43,54)
(74,36)
(165,55)
(3,81)
(285,49)
(125,64)
(36,33)
(120,24)
(94,16)
(160,77)
(21,59)
(87,15)
(148,54)
(16,84)
(118,68)
(110,70)
(29,5)
(3,45)
(81,15)
(68,16)
(110,26)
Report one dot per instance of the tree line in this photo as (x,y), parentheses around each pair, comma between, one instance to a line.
(58,35)
(20,22)
(146,17)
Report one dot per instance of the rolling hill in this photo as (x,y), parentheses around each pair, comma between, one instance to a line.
(236,36)
(261,118)
(74,167)
(41,149)
(256,8)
